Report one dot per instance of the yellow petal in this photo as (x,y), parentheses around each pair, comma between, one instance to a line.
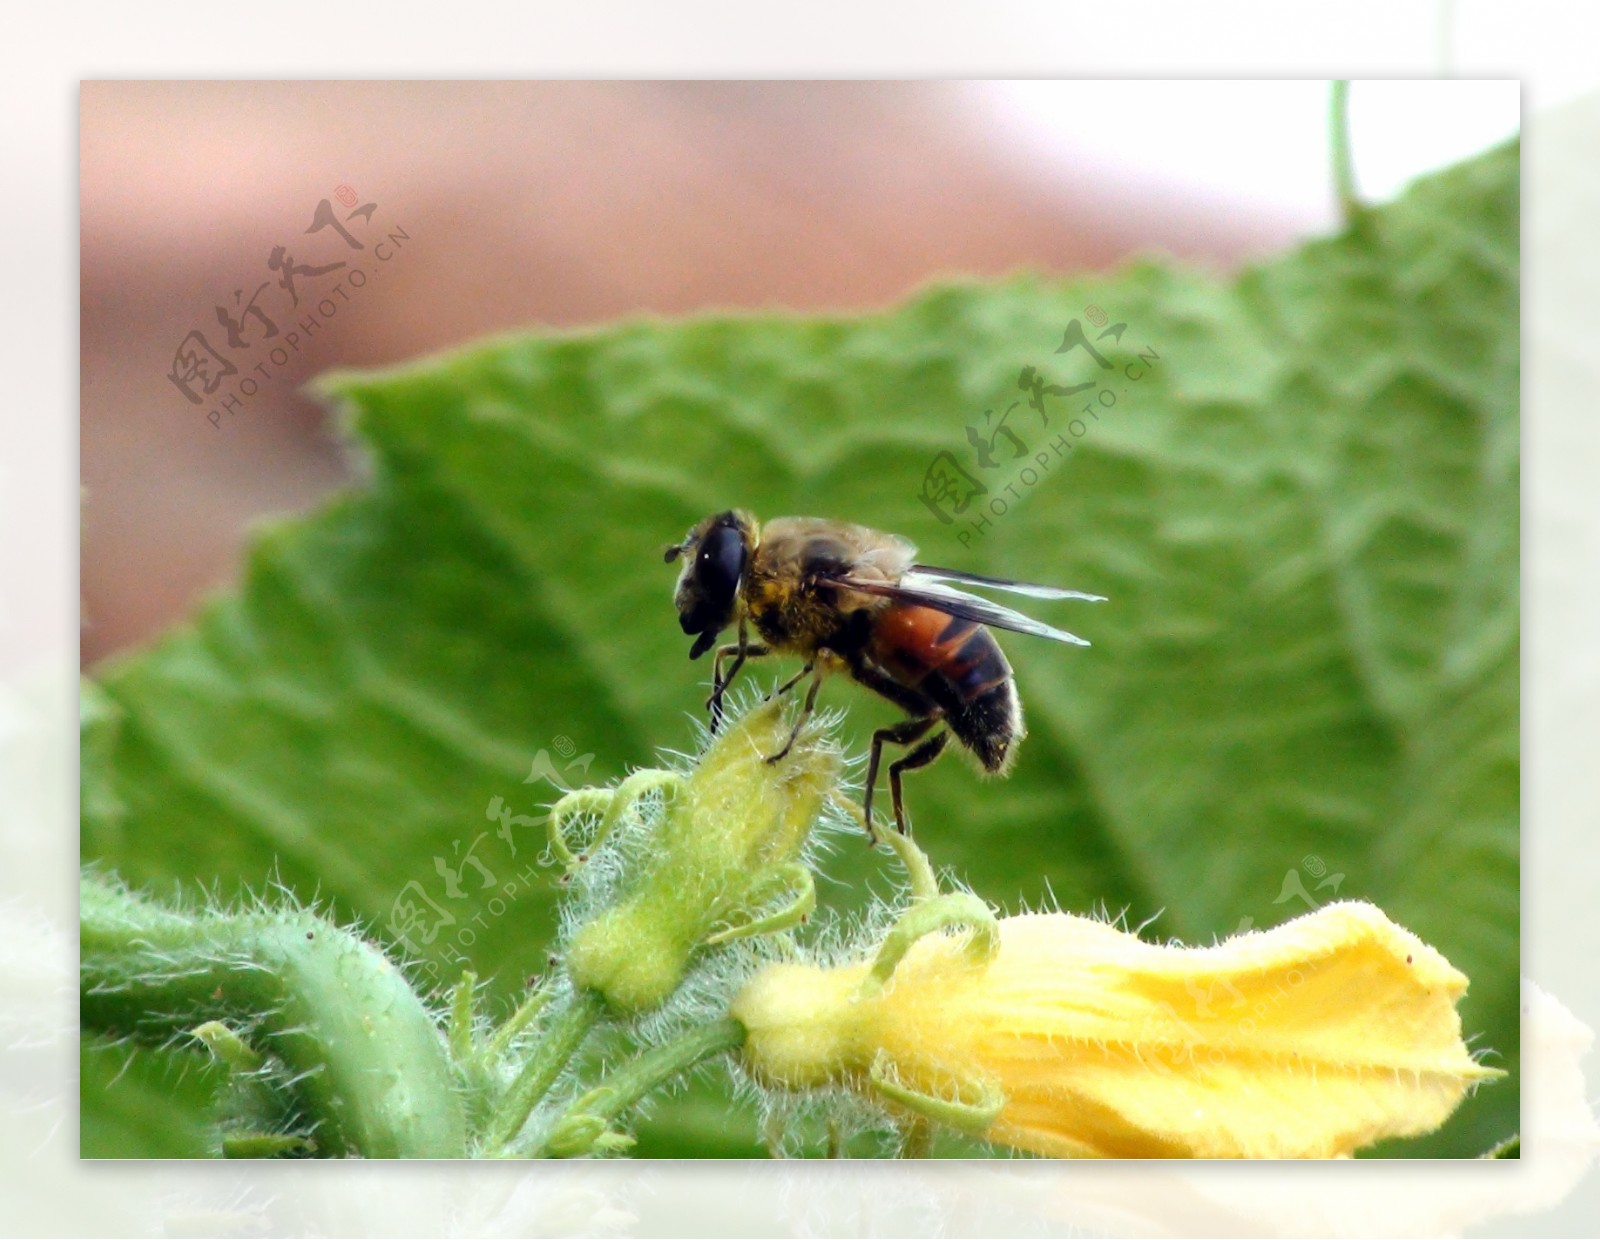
(1310,1040)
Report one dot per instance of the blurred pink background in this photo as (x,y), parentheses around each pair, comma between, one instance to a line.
(526,205)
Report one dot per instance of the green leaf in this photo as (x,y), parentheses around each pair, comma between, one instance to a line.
(1302,504)
(146,1103)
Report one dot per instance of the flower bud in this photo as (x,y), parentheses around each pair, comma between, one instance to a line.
(726,840)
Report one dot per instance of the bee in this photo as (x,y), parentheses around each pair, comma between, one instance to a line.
(852,599)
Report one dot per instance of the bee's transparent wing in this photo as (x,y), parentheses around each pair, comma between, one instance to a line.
(958,603)
(919,573)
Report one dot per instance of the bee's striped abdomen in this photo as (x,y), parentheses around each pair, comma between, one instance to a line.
(958,664)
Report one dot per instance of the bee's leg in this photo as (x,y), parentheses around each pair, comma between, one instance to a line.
(922,755)
(903,733)
(739,651)
(791,682)
(805,713)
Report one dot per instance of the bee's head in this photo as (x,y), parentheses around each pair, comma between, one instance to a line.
(715,554)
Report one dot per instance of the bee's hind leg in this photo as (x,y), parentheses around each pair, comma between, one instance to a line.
(922,755)
(805,711)
(906,732)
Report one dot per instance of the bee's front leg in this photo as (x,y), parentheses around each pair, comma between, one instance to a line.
(739,652)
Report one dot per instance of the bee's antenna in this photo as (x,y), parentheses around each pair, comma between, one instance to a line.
(671,552)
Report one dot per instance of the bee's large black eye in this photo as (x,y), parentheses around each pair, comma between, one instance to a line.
(718,565)
(721,560)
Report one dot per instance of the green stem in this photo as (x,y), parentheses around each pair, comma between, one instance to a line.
(461,1017)
(368,1063)
(500,1040)
(591,1116)
(1344,174)
(561,1040)
(919,870)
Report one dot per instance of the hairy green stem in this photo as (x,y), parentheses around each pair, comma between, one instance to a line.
(367,1060)
(499,1042)
(919,870)
(562,1038)
(579,1130)
(461,1009)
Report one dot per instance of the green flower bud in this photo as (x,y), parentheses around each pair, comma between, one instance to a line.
(725,841)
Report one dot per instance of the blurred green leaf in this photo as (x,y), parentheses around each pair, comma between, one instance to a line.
(139,1102)
(1302,504)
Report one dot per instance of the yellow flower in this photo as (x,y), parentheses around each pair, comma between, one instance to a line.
(1307,1041)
